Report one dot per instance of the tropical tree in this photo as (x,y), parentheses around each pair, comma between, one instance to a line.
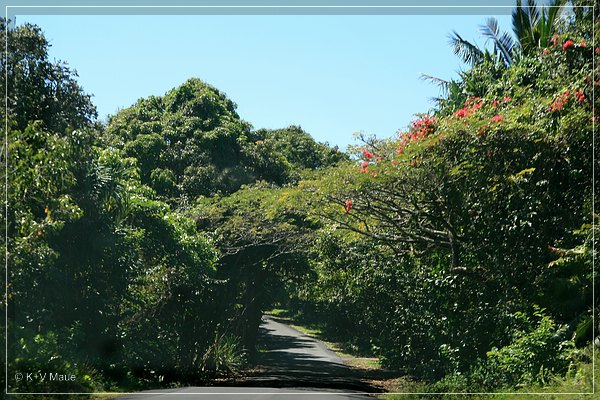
(533,28)
(263,239)
(38,89)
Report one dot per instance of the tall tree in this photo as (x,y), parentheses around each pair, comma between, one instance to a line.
(533,27)
(37,88)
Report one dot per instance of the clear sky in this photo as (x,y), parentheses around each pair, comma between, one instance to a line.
(332,75)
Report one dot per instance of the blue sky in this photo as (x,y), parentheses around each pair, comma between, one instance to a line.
(332,75)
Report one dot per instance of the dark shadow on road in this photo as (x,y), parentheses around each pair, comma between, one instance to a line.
(288,358)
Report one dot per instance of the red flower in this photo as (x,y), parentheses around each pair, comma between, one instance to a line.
(463,112)
(495,103)
(422,127)
(556,106)
(597,50)
(568,44)
(582,44)
(554,40)
(367,154)
(497,118)
(507,99)
(580,96)
(364,166)
(348,205)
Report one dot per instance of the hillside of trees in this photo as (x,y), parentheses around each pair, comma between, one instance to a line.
(143,251)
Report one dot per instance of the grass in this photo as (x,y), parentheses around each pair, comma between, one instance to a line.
(279,313)
(560,388)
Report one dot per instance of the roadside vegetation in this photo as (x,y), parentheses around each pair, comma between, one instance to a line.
(143,252)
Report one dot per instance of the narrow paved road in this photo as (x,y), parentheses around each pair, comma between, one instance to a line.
(291,358)
(293,365)
(242,393)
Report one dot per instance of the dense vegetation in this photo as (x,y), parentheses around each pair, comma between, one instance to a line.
(143,251)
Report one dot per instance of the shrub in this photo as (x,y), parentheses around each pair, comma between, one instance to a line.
(225,356)
(532,357)
(35,356)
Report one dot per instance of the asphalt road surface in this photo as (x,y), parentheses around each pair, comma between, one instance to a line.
(243,393)
(292,365)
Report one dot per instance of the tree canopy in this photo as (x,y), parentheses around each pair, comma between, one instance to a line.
(144,251)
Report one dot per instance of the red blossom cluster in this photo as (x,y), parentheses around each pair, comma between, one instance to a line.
(422,127)
(463,112)
(568,44)
(497,118)
(369,157)
(471,105)
(348,205)
(474,104)
(419,129)
(559,103)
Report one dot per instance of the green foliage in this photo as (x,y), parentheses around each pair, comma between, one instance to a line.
(281,155)
(38,89)
(191,142)
(533,356)
(479,212)
(263,238)
(40,355)
(188,142)
(172,305)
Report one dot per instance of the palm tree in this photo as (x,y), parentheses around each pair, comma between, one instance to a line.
(533,27)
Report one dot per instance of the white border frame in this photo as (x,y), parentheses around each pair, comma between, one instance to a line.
(308,392)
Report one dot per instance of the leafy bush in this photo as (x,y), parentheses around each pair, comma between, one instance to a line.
(533,356)
(35,356)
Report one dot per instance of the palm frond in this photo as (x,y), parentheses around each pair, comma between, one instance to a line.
(521,25)
(464,49)
(443,84)
(503,42)
(555,11)
(533,12)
